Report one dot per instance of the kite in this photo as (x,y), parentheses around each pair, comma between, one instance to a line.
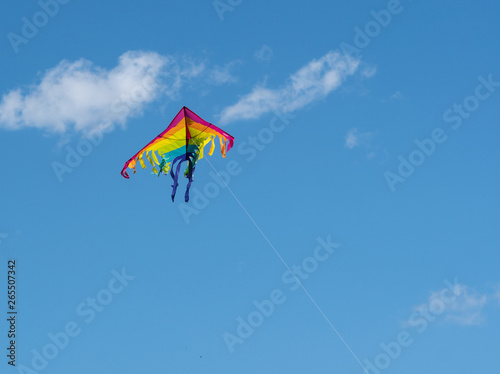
(183,140)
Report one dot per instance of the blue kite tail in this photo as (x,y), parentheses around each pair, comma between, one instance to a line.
(175,177)
(190,177)
(190,157)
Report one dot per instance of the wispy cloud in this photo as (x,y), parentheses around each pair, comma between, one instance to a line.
(368,71)
(312,82)
(265,54)
(220,75)
(355,139)
(396,95)
(465,310)
(352,139)
(364,141)
(79,95)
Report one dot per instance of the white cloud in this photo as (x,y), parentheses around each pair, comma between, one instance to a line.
(265,54)
(80,95)
(364,140)
(466,309)
(368,71)
(352,139)
(312,82)
(220,75)
(397,95)
(176,73)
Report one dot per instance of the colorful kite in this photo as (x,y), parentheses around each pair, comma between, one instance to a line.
(183,140)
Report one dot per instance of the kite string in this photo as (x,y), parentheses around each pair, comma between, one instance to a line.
(288,267)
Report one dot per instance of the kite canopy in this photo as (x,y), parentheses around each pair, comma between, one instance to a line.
(183,140)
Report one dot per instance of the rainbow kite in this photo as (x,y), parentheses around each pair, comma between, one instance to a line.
(183,140)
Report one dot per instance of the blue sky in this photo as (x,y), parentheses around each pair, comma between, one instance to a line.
(365,162)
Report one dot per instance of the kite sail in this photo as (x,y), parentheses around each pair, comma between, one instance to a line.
(183,140)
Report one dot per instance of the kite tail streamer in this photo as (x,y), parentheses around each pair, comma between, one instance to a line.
(190,176)
(190,157)
(175,176)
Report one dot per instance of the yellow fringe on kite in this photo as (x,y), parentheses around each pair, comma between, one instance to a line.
(142,161)
(203,144)
(212,147)
(154,157)
(222,147)
(149,159)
